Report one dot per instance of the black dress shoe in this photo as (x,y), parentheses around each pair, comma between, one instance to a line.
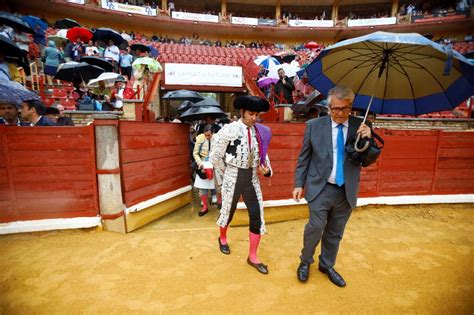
(260,267)
(201,213)
(223,247)
(303,272)
(333,276)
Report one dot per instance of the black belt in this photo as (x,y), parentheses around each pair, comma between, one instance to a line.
(335,185)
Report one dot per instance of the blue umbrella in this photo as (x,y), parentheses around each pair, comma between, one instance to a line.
(153,51)
(12,92)
(39,26)
(394,73)
(35,22)
(266,61)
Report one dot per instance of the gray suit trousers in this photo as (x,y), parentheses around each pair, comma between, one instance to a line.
(328,215)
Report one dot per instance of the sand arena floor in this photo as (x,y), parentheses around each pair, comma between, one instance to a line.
(416,259)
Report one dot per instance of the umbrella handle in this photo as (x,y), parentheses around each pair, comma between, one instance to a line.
(364,148)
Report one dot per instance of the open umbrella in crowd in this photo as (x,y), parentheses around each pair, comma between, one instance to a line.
(105,34)
(183,95)
(266,61)
(77,72)
(79,32)
(98,61)
(12,92)
(153,65)
(108,78)
(66,23)
(15,22)
(197,112)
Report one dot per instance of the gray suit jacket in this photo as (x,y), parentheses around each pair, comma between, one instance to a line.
(315,160)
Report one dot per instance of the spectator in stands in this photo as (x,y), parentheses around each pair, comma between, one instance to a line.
(303,88)
(62,119)
(102,95)
(112,53)
(40,35)
(284,88)
(21,39)
(32,112)
(9,114)
(91,49)
(4,68)
(52,59)
(262,72)
(78,49)
(126,60)
(117,95)
(142,75)
(55,115)
(171,7)
(68,56)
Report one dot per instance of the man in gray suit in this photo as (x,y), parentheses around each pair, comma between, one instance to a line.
(330,180)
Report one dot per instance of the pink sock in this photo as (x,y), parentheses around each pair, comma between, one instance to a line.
(204,203)
(254,240)
(223,234)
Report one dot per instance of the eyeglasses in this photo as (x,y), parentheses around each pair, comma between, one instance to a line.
(345,110)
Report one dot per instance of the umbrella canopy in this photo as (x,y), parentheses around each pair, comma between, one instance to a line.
(77,72)
(153,52)
(59,40)
(127,37)
(105,34)
(397,73)
(12,92)
(15,22)
(9,47)
(208,101)
(153,65)
(266,81)
(285,56)
(109,79)
(200,112)
(266,61)
(183,95)
(100,62)
(140,47)
(66,23)
(290,70)
(312,45)
(62,33)
(35,23)
(185,105)
(83,33)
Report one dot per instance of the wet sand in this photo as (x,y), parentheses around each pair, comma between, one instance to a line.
(395,259)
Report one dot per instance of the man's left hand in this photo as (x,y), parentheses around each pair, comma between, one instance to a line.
(263,170)
(364,131)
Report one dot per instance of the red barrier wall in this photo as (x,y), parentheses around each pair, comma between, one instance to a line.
(154,159)
(421,162)
(47,172)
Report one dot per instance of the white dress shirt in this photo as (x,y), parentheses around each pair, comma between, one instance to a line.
(334,129)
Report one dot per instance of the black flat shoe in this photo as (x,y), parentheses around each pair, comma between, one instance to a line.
(225,249)
(260,267)
(303,272)
(201,213)
(335,277)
